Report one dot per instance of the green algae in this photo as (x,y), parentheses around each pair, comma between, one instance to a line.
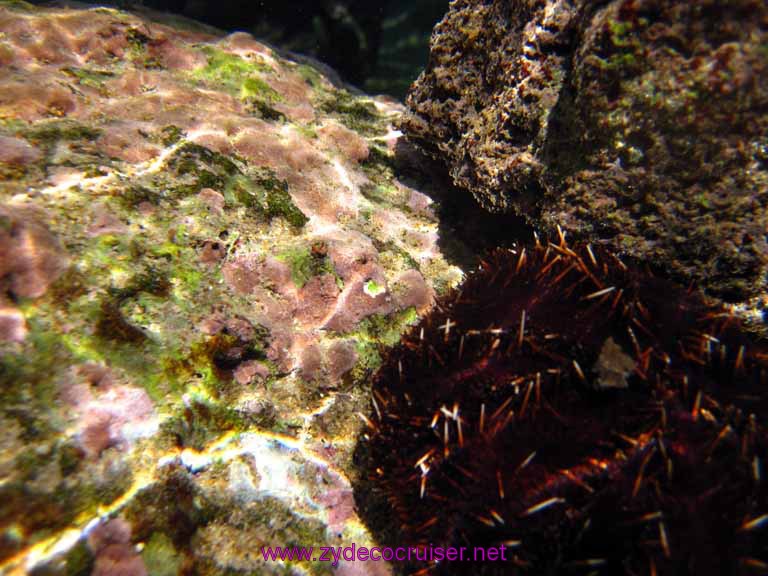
(193,167)
(374,335)
(89,77)
(40,511)
(160,556)
(373,288)
(171,134)
(310,75)
(79,560)
(46,133)
(202,421)
(307,131)
(263,192)
(256,88)
(305,264)
(266,111)
(12,172)
(355,113)
(369,359)
(189,168)
(379,162)
(28,387)
(236,75)
(112,326)
(204,167)
(137,49)
(387,329)
(383,194)
(131,196)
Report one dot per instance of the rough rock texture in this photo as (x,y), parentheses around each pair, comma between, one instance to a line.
(204,251)
(640,123)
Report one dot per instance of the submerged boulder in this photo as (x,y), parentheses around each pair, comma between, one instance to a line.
(638,123)
(202,254)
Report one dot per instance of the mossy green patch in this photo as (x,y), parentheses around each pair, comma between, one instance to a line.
(235,75)
(152,280)
(369,359)
(189,156)
(212,361)
(307,131)
(70,458)
(160,557)
(310,75)
(379,161)
(267,194)
(89,77)
(354,112)
(12,172)
(79,560)
(387,329)
(305,264)
(137,49)
(382,194)
(266,111)
(171,135)
(112,326)
(375,335)
(373,288)
(47,132)
(202,421)
(395,250)
(256,88)
(189,169)
(131,196)
(28,386)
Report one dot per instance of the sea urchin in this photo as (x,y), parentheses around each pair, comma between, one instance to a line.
(579,411)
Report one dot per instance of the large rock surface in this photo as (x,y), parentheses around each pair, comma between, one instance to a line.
(204,251)
(640,123)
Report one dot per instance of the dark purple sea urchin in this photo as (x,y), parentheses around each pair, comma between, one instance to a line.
(588,416)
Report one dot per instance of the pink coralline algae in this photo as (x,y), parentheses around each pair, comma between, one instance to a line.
(107,414)
(13,326)
(110,542)
(105,222)
(317,299)
(251,371)
(330,365)
(30,256)
(247,273)
(342,357)
(356,303)
(349,143)
(411,290)
(17,151)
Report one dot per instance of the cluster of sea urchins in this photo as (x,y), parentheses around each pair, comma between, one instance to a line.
(584,414)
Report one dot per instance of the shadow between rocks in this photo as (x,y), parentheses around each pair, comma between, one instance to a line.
(466,231)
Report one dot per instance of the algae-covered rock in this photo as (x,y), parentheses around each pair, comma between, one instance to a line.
(185,222)
(641,124)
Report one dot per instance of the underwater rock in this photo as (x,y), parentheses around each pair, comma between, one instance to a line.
(640,124)
(182,214)
(492,425)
